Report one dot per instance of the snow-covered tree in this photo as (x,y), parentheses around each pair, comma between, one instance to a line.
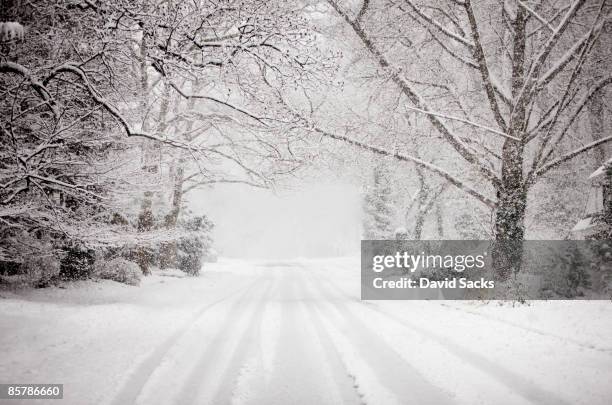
(193,85)
(378,209)
(56,170)
(502,83)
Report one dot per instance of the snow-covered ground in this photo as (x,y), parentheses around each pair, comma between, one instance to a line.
(296,332)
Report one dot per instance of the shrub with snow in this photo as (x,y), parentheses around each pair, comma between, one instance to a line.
(42,270)
(119,270)
(77,262)
(192,248)
(189,255)
(35,271)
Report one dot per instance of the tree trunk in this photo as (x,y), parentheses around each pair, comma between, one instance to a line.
(511,205)
(145,218)
(150,161)
(439,220)
(421,205)
(597,104)
(509,228)
(418,227)
(167,255)
(144,256)
(512,192)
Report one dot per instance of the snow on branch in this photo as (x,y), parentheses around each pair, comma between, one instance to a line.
(577,110)
(548,47)
(197,184)
(501,90)
(362,10)
(12,67)
(474,124)
(438,26)
(481,59)
(414,97)
(407,158)
(63,184)
(536,15)
(545,168)
(76,70)
(216,100)
(567,57)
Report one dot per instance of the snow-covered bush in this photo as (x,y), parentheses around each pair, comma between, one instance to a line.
(77,263)
(42,270)
(189,257)
(192,248)
(119,270)
(35,271)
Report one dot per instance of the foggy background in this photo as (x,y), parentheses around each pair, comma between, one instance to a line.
(321,218)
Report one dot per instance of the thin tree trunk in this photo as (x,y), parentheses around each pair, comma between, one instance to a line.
(597,104)
(421,205)
(145,218)
(425,201)
(151,157)
(168,250)
(439,221)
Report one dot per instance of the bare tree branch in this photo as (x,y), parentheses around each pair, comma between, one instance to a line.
(546,50)
(437,25)
(416,99)
(480,57)
(363,10)
(407,158)
(536,15)
(551,165)
(474,124)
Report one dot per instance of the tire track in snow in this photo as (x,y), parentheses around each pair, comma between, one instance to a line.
(139,377)
(305,371)
(393,373)
(247,344)
(344,380)
(204,376)
(511,379)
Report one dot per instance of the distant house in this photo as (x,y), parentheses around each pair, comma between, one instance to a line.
(599,203)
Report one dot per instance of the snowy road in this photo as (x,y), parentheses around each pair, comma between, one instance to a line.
(296,333)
